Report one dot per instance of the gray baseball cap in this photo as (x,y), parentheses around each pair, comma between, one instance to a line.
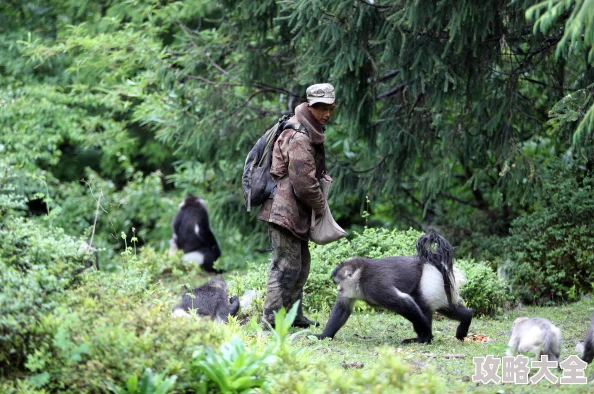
(320,93)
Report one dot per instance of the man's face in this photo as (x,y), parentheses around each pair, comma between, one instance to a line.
(322,112)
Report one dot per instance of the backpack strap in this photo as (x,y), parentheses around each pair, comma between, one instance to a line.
(295,126)
(301,129)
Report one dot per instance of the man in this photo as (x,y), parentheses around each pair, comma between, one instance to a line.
(298,164)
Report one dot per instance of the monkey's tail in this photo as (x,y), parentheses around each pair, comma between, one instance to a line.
(441,256)
(550,343)
(233,305)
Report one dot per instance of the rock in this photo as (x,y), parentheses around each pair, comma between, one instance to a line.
(247,300)
(579,348)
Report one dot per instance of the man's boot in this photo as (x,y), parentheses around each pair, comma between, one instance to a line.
(302,321)
(268,318)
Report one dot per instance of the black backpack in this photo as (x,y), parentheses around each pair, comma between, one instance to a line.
(258,186)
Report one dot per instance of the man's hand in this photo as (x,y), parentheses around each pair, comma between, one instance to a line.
(328,177)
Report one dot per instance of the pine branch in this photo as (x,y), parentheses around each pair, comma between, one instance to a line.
(419,97)
(388,75)
(548,85)
(392,91)
(458,199)
(236,109)
(478,195)
(412,197)
(372,167)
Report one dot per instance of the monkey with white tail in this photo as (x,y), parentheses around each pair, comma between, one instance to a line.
(412,286)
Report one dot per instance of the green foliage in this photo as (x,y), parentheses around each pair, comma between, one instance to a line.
(577,26)
(235,369)
(149,384)
(483,291)
(112,328)
(442,108)
(37,264)
(141,208)
(577,36)
(238,369)
(551,251)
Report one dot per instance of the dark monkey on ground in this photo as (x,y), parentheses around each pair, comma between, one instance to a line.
(589,343)
(412,286)
(211,299)
(192,234)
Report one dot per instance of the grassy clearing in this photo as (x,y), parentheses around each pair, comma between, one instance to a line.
(359,339)
(365,332)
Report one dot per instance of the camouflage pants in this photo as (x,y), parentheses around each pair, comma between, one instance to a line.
(289,270)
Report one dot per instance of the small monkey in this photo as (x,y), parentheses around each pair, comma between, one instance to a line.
(535,335)
(211,299)
(589,343)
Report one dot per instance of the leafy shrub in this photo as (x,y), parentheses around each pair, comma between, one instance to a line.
(483,291)
(149,384)
(141,205)
(37,264)
(551,251)
(237,368)
(114,326)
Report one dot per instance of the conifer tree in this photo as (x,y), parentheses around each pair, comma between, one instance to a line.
(448,110)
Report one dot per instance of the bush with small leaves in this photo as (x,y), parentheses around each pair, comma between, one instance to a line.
(551,251)
(37,264)
(483,291)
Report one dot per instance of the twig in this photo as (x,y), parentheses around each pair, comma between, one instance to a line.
(547,85)
(391,92)
(372,167)
(221,69)
(95,223)
(388,75)
(458,199)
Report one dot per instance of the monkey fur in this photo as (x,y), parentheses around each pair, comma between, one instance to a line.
(211,299)
(411,286)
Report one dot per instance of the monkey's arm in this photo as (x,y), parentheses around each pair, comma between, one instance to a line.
(341,311)
(233,305)
(588,355)
(512,345)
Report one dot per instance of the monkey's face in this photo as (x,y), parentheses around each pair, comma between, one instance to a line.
(347,281)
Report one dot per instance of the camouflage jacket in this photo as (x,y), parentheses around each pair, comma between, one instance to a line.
(297,166)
